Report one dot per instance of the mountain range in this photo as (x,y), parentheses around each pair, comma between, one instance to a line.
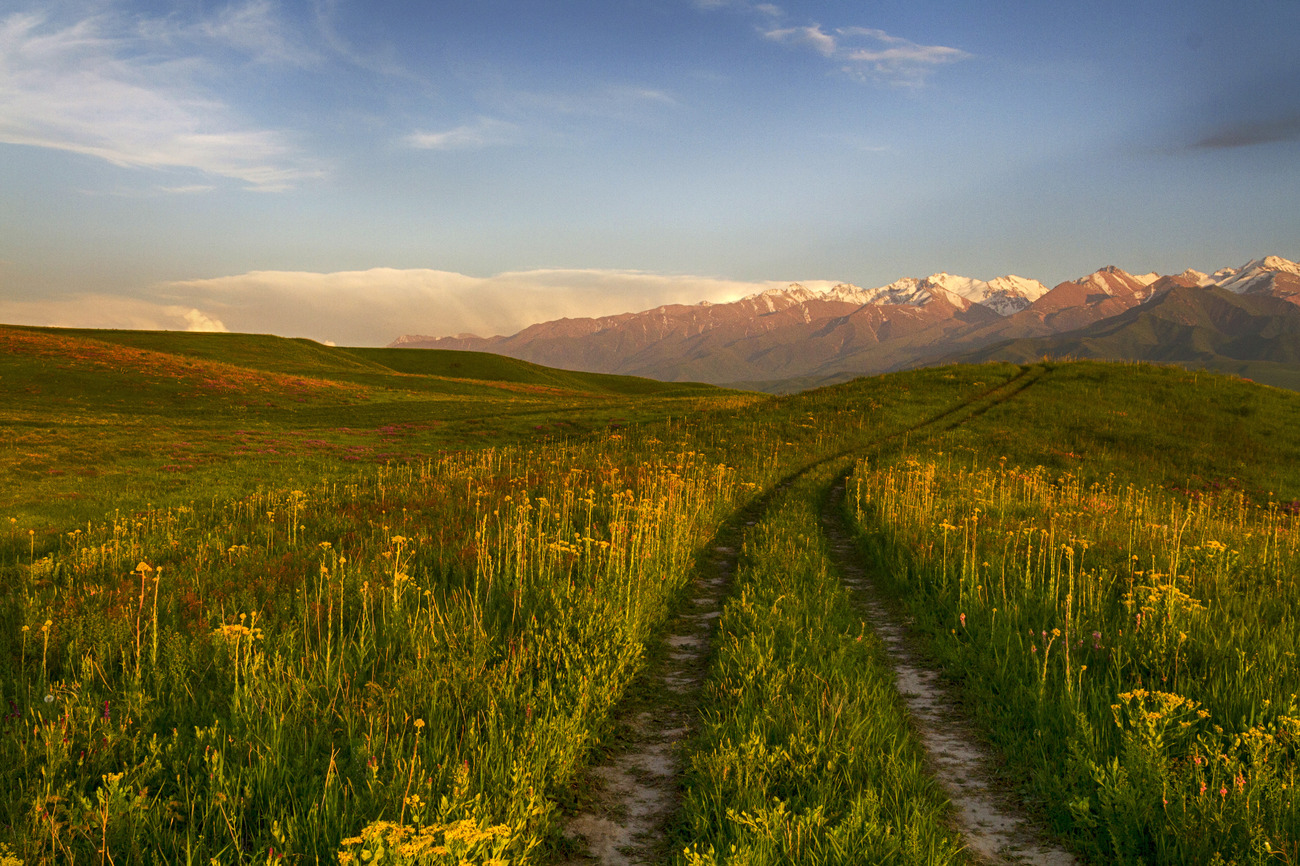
(1244,320)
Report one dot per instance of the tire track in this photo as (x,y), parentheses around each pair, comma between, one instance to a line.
(634,794)
(630,798)
(994,824)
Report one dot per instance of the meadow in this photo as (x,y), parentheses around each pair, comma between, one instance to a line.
(265,600)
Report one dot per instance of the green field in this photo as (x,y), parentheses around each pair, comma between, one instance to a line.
(264,600)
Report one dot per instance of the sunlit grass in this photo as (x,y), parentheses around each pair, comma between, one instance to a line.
(1135,648)
(805,754)
(321,616)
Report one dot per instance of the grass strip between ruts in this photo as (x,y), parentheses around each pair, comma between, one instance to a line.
(805,754)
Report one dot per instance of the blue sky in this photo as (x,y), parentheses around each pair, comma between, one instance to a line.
(351,171)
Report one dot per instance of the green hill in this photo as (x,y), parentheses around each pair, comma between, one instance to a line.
(485,366)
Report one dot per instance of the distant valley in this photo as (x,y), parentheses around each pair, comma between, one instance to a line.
(1244,320)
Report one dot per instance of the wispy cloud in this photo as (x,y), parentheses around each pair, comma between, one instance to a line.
(545,115)
(812,36)
(869,54)
(483,132)
(187,189)
(613,102)
(123,92)
(770,10)
(254,29)
(1246,134)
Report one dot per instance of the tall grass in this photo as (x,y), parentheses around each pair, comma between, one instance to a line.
(1133,648)
(805,755)
(431,647)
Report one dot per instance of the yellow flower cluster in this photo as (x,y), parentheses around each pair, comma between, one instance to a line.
(462,843)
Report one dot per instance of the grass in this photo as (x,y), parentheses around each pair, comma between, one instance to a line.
(1127,627)
(262,599)
(249,677)
(407,655)
(805,754)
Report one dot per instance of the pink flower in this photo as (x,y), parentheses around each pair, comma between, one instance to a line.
(1223,792)
(963,620)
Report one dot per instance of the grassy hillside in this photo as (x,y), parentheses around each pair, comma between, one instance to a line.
(488,367)
(153,416)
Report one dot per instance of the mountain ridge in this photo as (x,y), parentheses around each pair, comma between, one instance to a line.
(796,333)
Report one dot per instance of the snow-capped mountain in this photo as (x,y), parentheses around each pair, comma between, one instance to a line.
(813,333)
(1269,274)
(1003,295)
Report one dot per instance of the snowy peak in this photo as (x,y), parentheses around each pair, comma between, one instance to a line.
(1257,275)
(1119,283)
(1195,277)
(1003,295)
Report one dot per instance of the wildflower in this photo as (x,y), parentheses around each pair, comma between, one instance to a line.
(49,699)
(963,620)
(1223,792)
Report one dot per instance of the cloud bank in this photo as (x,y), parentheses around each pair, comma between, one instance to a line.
(374,307)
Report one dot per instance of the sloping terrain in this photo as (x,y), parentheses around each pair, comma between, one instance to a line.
(87,412)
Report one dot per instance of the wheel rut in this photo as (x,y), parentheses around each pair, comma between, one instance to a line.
(994,825)
(630,798)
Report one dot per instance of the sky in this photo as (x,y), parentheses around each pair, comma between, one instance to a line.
(351,171)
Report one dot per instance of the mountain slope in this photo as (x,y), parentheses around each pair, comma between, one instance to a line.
(797,334)
(1249,334)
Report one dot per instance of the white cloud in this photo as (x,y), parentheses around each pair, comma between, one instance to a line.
(483,132)
(197,320)
(869,54)
(128,96)
(812,36)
